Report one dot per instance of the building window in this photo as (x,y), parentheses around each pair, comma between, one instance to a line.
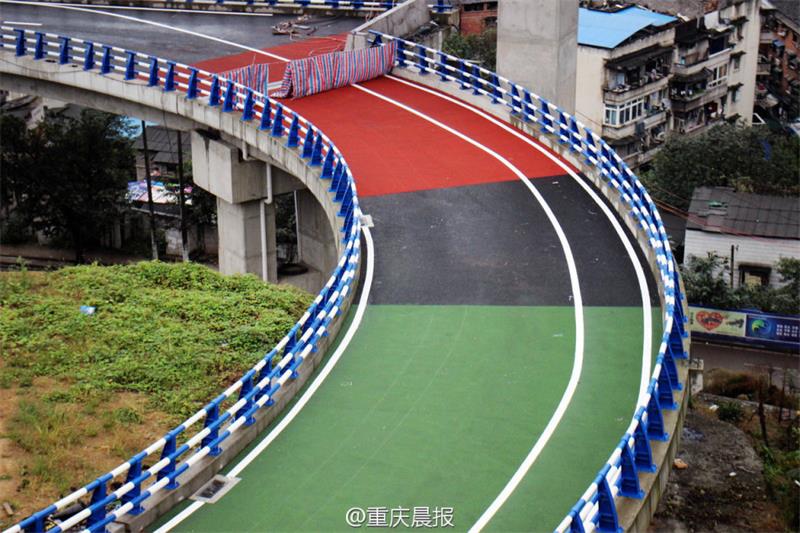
(754,275)
(735,94)
(620,114)
(737,63)
(719,76)
(490,22)
(474,7)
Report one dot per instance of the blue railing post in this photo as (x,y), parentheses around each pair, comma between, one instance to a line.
(105,62)
(337,176)
(191,89)
(327,166)
(212,414)
(88,56)
(665,398)
(244,393)
(169,78)
(576,525)
(64,51)
(607,516)
(294,133)
(152,80)
(516,102)
(98,494)
(422,60)
(277,123)
(477,80)
(672,371)
(496,94)
(266,119)
(655,422)
(38,50)
(308,143)
(230,96)
(21,44)
(629,475)
(247,110)
(643,455)
(169,449)
(130,65)
(316,154)
(440,7)
(401,55)
(134,472)
(213,95)
(462,75)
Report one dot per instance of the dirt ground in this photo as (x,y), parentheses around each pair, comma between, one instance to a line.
(723,487)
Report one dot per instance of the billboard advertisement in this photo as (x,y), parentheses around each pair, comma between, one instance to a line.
(746,326)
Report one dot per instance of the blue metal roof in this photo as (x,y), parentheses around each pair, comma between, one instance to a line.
(608,30)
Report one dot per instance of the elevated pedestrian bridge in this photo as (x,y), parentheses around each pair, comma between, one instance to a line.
(515,349)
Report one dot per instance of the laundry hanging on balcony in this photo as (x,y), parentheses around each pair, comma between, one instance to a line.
(254,76)
(315,74)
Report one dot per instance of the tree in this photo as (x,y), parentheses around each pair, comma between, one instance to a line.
(480,48)
(704,279)
(749,159)
(75,175)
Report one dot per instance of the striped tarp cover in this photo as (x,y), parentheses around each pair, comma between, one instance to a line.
(315,74)
(254,76)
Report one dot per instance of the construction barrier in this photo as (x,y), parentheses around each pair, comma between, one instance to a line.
(311,75)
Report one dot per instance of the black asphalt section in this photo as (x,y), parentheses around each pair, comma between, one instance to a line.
(253,31)
(475,245)
(492,244)
(605,271)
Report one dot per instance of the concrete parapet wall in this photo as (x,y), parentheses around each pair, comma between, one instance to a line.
(401,20)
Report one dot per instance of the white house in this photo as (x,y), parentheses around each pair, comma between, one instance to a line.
(753,231)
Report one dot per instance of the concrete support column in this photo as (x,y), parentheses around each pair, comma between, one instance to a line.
(315,239)
(240,238)
(537,47)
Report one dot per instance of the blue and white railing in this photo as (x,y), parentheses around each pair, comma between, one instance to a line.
(236,407)
(619,477)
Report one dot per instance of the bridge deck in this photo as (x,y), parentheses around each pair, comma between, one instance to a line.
(469,338)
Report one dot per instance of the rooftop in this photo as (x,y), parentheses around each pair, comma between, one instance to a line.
(605,29)
(720,209)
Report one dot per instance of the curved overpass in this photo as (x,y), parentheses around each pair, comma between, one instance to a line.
(509,332)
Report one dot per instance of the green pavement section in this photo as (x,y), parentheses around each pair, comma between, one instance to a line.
(599,414)
(437,406)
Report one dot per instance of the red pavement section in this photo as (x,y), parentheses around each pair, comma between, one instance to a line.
(391,150)
(293,50)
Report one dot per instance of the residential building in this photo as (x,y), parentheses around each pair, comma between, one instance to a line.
(643,75)
(753,231)
(779,67)
(476,16)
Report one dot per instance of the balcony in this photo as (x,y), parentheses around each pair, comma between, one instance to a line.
(637,127)
(693,65)
(682,104)
(623,93)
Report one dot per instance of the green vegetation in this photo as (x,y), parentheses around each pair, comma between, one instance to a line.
(479,48)
(164,339)
(66,177)
(748,159)
(707,283)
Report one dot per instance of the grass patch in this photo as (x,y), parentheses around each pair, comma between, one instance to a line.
(164,339)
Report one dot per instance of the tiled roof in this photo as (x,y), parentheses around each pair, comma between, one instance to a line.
(721,210)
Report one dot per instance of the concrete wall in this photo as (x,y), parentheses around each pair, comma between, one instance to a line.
(589,106)
(751,251)
(537,43)
(314,237)
(399,21)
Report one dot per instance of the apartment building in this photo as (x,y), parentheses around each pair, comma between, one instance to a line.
(778,77)
(643,75)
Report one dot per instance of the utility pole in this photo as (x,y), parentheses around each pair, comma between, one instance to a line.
(182,199)
(153,243)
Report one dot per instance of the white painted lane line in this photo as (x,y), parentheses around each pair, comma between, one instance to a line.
(577,365)
(647,317)
(148,22)
(296,408)
(17,23)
